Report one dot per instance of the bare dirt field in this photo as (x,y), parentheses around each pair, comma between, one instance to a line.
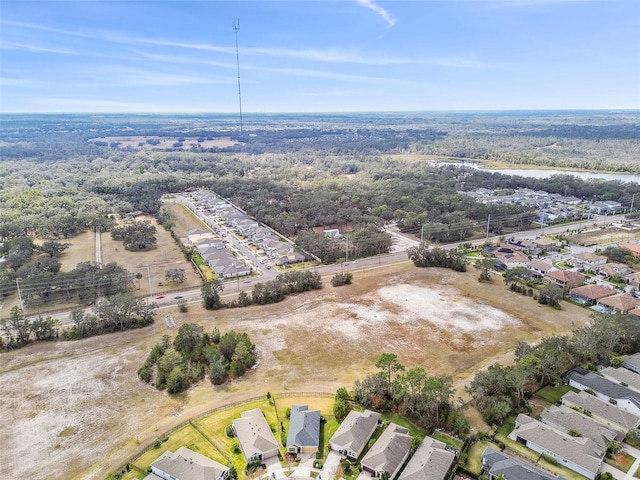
(77,409)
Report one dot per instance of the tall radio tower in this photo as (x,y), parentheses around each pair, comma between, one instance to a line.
(236,28)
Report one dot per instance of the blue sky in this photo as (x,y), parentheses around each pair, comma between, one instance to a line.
(318,56)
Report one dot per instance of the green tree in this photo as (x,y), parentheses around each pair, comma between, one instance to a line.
(211,295)
(53,248)
(175,275)
(388,363)
(177,380)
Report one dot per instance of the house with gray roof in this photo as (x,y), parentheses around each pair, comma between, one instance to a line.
(255,436)
(632,362)
(574,423)
(353,433)
(612,392)
(186,464)
(623,376)
(496,463)
(604,412)
(304,430)
(580,454)
(431,461)
(388,453)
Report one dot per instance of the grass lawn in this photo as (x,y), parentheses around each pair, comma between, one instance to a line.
(449,440)
(553,394)
(414,431)
(621,461)
(637,474)
(186,436)
(474,459)
(215,424)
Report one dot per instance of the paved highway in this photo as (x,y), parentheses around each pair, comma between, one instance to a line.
(398,255)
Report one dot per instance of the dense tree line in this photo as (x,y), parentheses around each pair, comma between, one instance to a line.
(423,256)
(501,390)
(336,171)
(424,399)
(273,291)
(176,364)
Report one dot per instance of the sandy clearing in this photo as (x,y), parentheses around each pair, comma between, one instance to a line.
(77,409)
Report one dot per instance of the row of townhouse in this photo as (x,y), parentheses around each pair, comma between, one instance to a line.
(551,206)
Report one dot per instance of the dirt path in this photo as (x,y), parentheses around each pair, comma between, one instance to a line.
(77,409)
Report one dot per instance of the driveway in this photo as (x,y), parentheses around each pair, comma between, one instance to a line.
(331,465)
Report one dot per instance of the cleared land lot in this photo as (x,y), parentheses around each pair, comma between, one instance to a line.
(84,411)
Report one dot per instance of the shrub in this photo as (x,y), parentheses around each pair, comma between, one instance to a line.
(229,431)
(235,448)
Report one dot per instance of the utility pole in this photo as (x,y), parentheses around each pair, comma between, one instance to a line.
(346,250)
(633,197)
(488,223)
(422,233)
(149,277)
(19,295)
(236,28)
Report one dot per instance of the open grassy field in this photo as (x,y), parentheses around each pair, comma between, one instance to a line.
(86,413)
(151,264)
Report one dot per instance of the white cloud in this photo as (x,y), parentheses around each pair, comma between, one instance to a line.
(36,48)
(386,16)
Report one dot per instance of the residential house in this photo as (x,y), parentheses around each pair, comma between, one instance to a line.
(590,294)
(565,279)
(255,436)
(612,392)
(510,257)
(304,430)
(570,421)
(431,461)
(601,411)
(613,269)
(580,454)
(197,234)
(496,463)
(606,207)
(633,247)
(622,376)
(621,302)
(186,464)
(388,453)
(540,268)
(546,244)
(633,280)
(587,261)
(353,433)
(632,362)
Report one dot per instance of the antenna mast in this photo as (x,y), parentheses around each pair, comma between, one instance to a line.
(236,28)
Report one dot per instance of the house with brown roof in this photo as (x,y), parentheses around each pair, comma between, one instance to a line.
(580,454)
(587,260)
(613,270)
(510,257)
(388,453)
(590,294)
(622,302)
(633,247)
(565,279)
(546,244)
(633,280)
(185,464)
